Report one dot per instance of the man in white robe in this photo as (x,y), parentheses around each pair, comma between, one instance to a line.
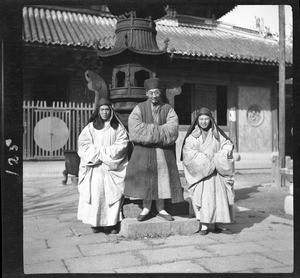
(209,169)
(102,148)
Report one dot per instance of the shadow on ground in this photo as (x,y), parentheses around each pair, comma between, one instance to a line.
(263,198)
(246,192)
(258,201)
(245,219)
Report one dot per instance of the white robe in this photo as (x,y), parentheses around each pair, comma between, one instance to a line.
(103,161)
(209,172)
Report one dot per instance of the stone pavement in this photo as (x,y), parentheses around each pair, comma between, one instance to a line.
(56,242)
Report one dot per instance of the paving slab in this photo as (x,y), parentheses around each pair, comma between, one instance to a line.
(35,244)
(32,234)
(77,240)
(31,227)
(109,248)
(278,244)
(176,267)
(47,222)
(171,254)
(279,220)
(80,229)
(236,248)
(249,216)
(244,236)
(281,226)
(241,262)
(57,232)
(182,240)
(51,254)
(46,226)
(278,234)
(45,267)
(285,257)
(286,269)
(66,217)
(101,264)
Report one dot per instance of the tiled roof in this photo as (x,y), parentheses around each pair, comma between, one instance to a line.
(58,27)
(215,43)
(77,29)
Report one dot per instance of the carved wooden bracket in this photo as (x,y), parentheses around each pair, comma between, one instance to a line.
(97,85)
(171,93)
(174,89)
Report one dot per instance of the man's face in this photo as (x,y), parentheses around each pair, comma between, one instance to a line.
(104,112)
(204,121)
(154,95)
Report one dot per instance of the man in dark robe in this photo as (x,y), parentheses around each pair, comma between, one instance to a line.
(152,172)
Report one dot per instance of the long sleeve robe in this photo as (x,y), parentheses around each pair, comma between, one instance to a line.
(103,161)
(152,171)
(209,173)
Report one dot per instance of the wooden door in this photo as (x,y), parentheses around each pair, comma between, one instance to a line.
(204,96)
(254,119)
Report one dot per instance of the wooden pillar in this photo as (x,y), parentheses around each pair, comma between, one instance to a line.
(274,110)
(281,87)
(275,175)
(232,105)
(296,96)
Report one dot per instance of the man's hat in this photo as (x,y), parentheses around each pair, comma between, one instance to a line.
(151,83)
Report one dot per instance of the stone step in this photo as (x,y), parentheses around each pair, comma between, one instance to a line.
(153,227)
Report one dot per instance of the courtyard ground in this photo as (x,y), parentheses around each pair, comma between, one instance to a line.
(56,242)
(260,195)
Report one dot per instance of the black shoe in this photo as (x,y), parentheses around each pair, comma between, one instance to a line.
(223,231)
(167,217)
(97,229)
(143,217)
(111,230)
(203,232)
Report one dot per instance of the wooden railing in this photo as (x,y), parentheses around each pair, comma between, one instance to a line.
(48,131)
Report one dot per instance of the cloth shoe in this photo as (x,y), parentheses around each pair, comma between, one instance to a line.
(111,229)
(223,231)
(203,232)
(167,217)
(143,217)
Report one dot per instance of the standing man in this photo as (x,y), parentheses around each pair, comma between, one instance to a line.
(102,148)
(152,172)
(209,170)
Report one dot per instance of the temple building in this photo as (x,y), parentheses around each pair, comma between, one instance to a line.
(204,62)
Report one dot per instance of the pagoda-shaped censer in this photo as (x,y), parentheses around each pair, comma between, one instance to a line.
(135,55)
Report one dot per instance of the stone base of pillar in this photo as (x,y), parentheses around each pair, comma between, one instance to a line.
(289,202)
